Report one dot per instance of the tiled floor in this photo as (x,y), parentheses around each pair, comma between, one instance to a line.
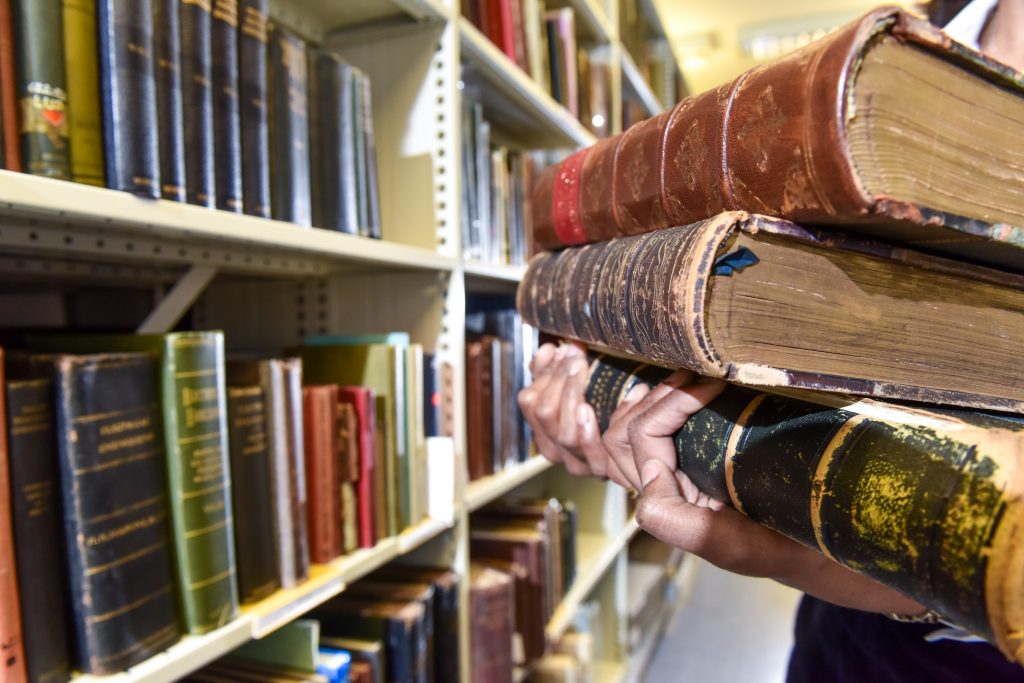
(733,630)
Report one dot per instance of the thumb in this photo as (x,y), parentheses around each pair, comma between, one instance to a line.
(665,514)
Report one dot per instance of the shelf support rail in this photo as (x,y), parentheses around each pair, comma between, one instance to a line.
(177,301)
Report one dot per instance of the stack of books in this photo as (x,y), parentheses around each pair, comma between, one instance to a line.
(842,223)
(205,102)
(524,552)
(155,486)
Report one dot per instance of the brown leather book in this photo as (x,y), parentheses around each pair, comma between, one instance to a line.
(765,302)
(528,553)
(480,413)
(842,132)
(491,600)
(323,507)
(12,653)
(8,91)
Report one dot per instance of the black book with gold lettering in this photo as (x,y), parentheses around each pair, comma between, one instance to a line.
(128,96)
(111,453)
(251,491)
(227,133)
(167,63)
(197,96)
(291,197)
(252,84)
(35,508)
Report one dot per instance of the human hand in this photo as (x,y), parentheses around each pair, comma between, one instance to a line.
(563,423)
(672,509)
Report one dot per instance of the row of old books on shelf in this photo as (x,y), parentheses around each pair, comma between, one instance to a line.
(652,53)
(398,625)
(543,43)
(205,102)
(837,271)
(498,352)
(154,486)
(524,561)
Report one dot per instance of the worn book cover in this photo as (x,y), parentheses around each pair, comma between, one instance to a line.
(766,302)
(842,132)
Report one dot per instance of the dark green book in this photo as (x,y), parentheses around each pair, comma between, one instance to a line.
(41,88)
(193,396)
(117,536)
(921,499)
(38,534)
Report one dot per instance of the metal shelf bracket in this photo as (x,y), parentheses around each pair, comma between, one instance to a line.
(177,301)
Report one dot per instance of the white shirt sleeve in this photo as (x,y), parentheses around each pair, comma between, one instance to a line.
(967,25)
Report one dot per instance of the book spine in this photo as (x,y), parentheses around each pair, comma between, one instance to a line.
(35,490)
(197,101)
(492,627)
(319,415)
(602,294)
(252,71)
(725,149)
(81,60)
(195,421)
(8,91)
(359,145)
(227,135)
(337,200)
(41,91)
(169,107)
(291,197)
(285,535)
(12,646)
(297,464)
(918,499)
(129,96)
(373,223)
(250,493)
(363,406)
(115,510)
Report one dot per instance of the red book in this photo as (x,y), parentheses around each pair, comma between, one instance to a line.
(363,403)
(8,99)
(500,27)
(319,422)
(12,654)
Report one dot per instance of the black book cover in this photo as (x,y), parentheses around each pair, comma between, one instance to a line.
(227,134)
(291,198)
(35,503)
(116,530)
(129,96)
(335,172)
(171,141)
(251,492)
(252,83)
(362,196)
(555,61)
(197,98)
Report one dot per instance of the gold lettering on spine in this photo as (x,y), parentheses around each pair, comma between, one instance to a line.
(254,24)
(733,443)
(226,10)
(818,486)
(125,529)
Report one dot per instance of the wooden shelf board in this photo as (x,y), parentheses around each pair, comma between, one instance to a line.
(515,102)
(634,82)
(482,491)
(595,554)
(66,219)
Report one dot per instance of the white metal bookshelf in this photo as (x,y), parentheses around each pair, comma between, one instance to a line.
(268,284)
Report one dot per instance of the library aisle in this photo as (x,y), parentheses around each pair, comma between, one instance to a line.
(732,628)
